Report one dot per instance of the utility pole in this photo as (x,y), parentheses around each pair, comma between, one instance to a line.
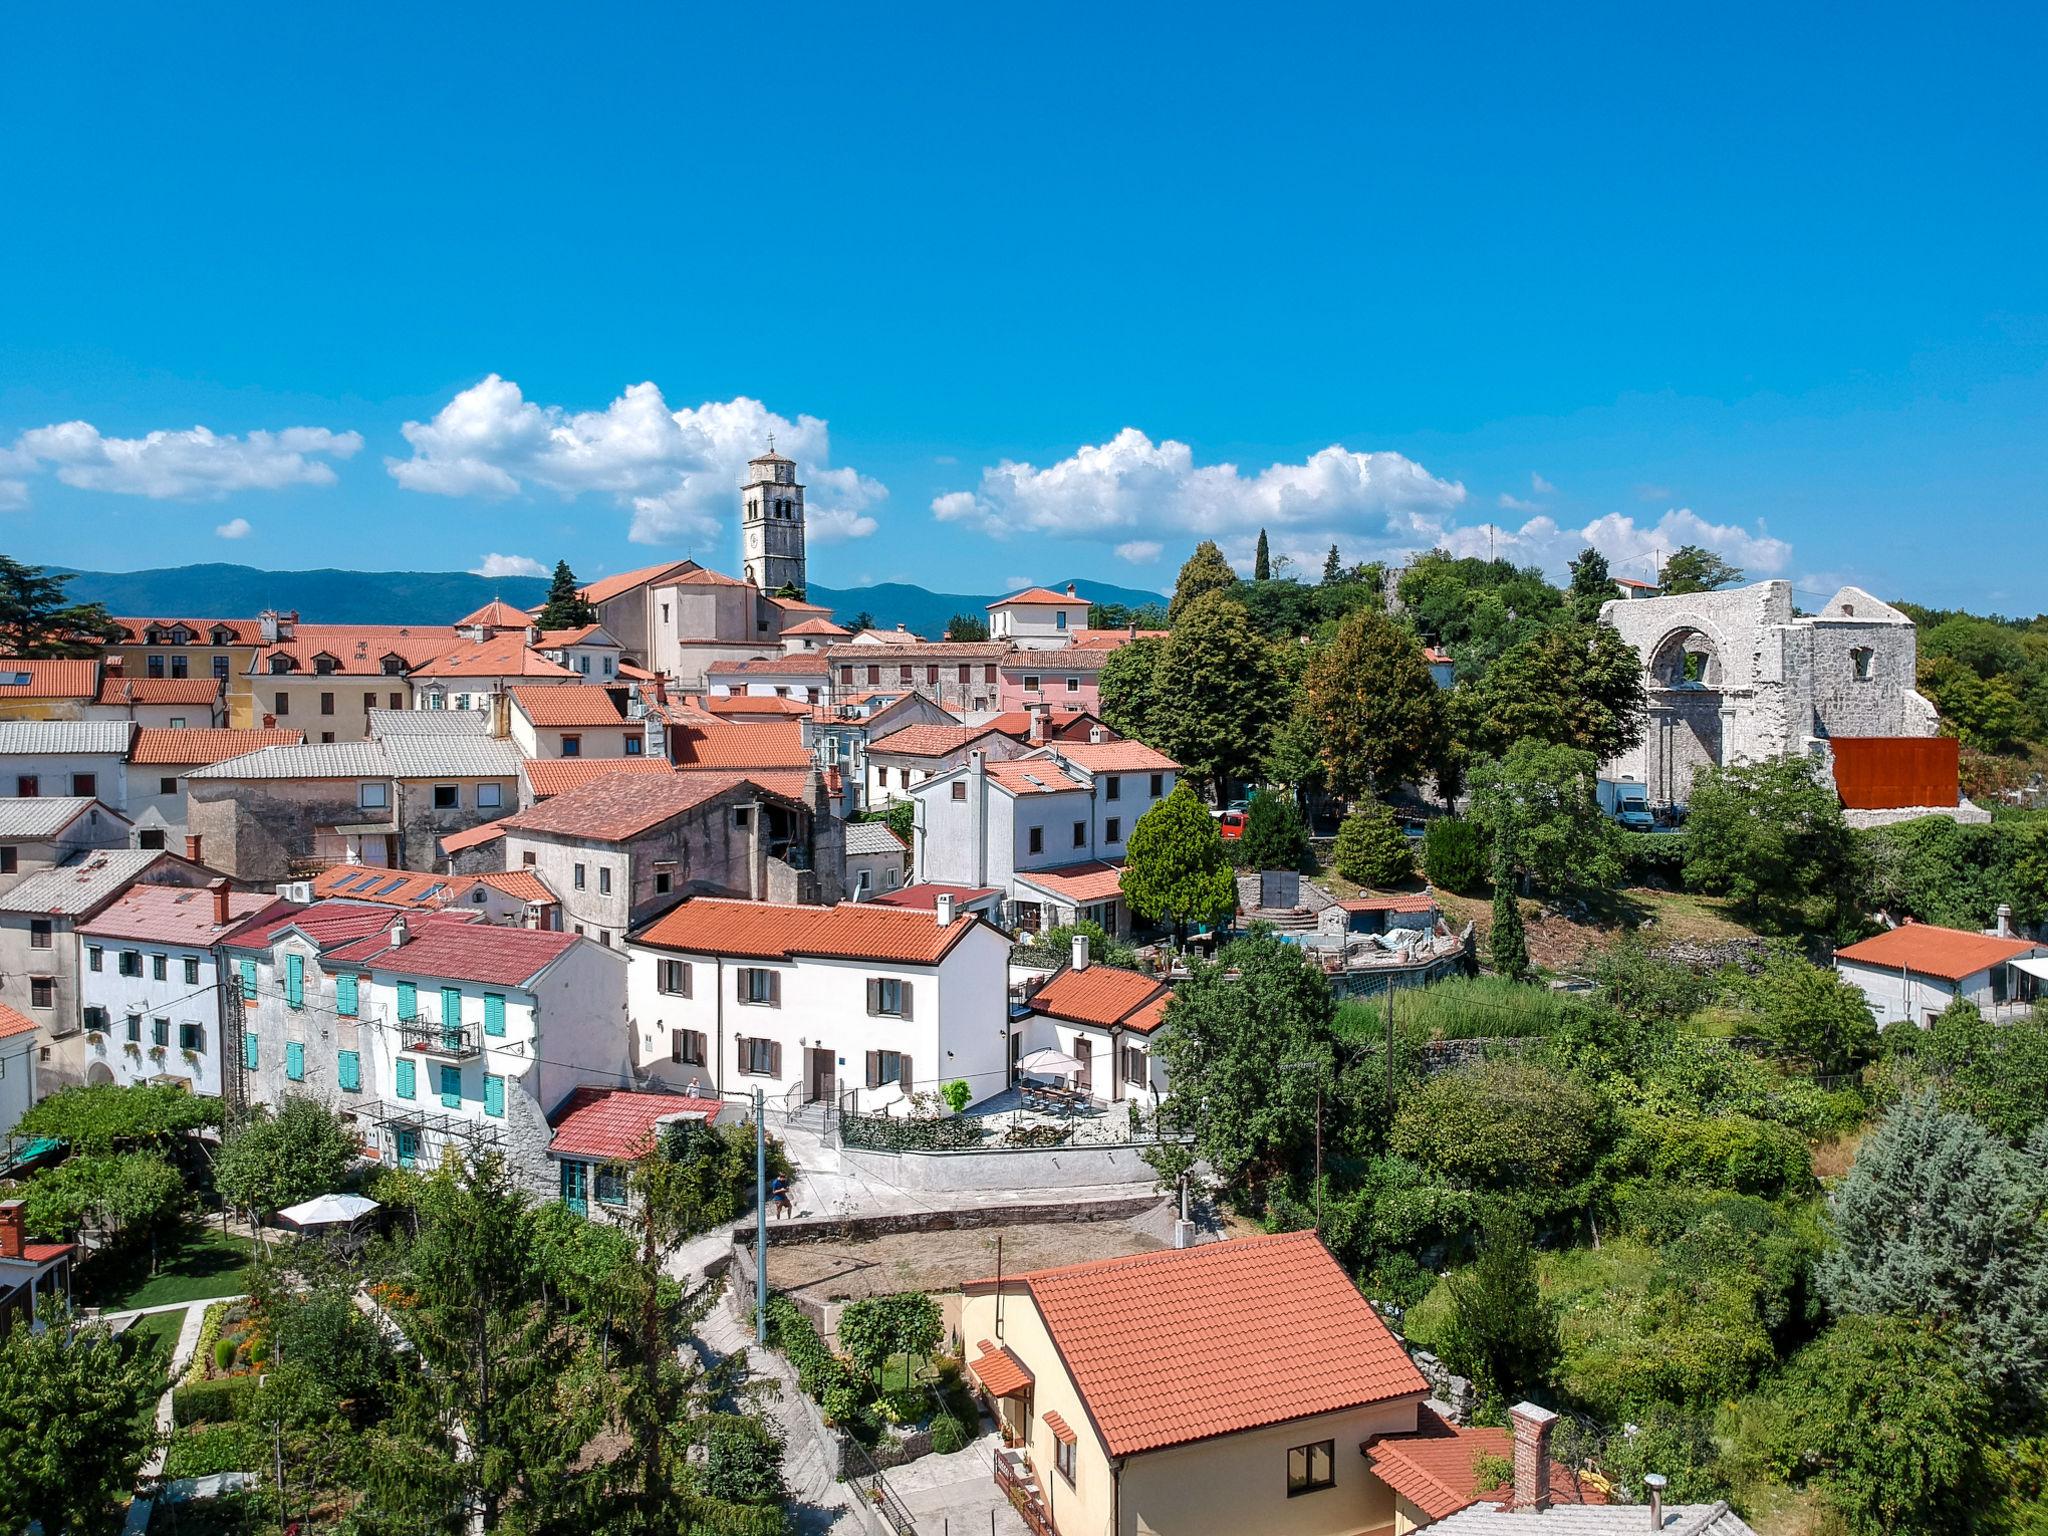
(760,1218)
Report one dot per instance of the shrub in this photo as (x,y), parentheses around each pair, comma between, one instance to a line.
(742,1460)
(950,1435)
(825,1378)
(1652,858)
(958,1095)
(1734,1152)
(223,1355)
(1451,856)
(213,1448)
(1370,849)
(1513,1126)
(1273,836)
(217,1400)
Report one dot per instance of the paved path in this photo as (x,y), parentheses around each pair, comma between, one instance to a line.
(181,1356)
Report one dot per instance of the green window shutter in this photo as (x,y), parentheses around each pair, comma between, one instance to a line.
(295,1060)
(494,1013)
(451,1087)
(345,994)
(451,1006)
(348,1069)
(408,1002)
(249,1051)
(248,970)
(404,1075)
(494,1095)
(295,980)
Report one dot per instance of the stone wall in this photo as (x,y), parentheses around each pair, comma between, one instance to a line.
(255,831)
(1062,1167)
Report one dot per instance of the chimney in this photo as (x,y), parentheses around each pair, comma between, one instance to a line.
(270,722)
(219,891)
(2004,921)
(1097,735)
(1080,951)
(501,715)
(192,844)
(1134,629)
(1532,1426)
(1041,722)
(399,932)
(1070,589)
(10,1228)
(1654,1483)
(944,908)
(267,625)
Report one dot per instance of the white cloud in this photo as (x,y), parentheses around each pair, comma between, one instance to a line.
(1631,548)
(1154,492)
(508,565)
(1539,486)
(1140,551)
(1518,504)
(233,528)
(13,495)
(678,471)
(194,464)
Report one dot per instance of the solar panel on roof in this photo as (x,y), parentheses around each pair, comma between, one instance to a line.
(394,885)
(433,890)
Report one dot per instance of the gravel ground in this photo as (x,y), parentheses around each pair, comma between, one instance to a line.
(943,1261)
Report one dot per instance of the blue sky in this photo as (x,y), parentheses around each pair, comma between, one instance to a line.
(1058,290)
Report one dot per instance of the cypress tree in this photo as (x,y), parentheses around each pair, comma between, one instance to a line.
(1262,562)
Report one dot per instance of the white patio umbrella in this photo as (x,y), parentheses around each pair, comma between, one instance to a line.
(1049,1063)
(327,1210)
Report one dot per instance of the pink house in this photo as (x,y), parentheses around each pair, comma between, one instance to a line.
(1068,678)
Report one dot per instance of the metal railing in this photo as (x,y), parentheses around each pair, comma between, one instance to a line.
(450,1042)
(873,1488)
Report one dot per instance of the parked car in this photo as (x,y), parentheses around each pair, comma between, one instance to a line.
(1229,825)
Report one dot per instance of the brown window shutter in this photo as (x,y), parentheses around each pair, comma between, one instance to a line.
(904,1078)
(675,1046)
(775,991)
(739,1051)
(874,1069)
(874,997)
(686,978)
(739,985)
(906,999)
(775,1058)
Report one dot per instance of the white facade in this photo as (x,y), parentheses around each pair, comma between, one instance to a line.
(99,775)
(1896,995)
(1039,620)
(154,1009)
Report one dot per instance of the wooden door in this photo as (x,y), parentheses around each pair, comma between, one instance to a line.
(1084,1052)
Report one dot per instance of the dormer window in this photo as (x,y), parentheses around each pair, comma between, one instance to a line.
(394,665)
(181,636)
(324,664)
(222,637)
(279,665)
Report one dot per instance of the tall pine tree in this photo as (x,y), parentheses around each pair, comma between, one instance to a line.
(566,607)
(36,620)
(1262,562)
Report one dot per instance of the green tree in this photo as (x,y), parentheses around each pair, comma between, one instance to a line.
(1693,569)
(1379,711)
(1877,1417)
(900,818)
(74,1424)
(1984,712)
(1515,1128)
(1174,865)
(36,620)
(1451,855)
(1996,1072)
(121,1196)
(270,1161)
(1262,564)
(1055,946)
(1130,689)
(1507,946)
(742,1461)
(1370,848)
(877,1327)
(107,1117)
(1576,685)
(1816,1013)
(862,620)
(1273,836)
(1592,584)
(964,627)
(1769,835)
(1219,692)
(1332,571)
(566,607)
(1294,754)
(1539,807)
(1206,571)
(1503,1335)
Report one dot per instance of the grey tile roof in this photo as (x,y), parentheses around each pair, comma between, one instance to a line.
(452,757)
(23,737)
(42,817)
(315,760)
(1485,1519)
(386,723)
(871,837)
(81,885)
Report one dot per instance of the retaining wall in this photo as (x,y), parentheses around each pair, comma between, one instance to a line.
(980,1168)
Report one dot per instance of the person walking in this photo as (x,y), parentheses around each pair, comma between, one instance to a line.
(778,1191)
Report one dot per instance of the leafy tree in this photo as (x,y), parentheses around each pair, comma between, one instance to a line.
(1370,848)
(1273,836)
(1938,1221)
(1577,685)
(873,1329)
(1218,692)
(1379,711)
(1206,571)
(74,1424)
(566,607)
(1693,569)
(1985,712)
(1227,1045)
(1513,1127)
(1294,754)
(1503,1335)
(129,1195)
(900,818)
(1943,872)
(1878,1418)
(108,1116)
(1262,564)
(1816,1013)
(1450,854)
(1996,1072)
(270,1161)
(1507,946)
(1592,585)
(966,627)
(1770,836)
(37,621)
(1477,609)
(1055,946)
(1130,688)
(742,1460)
(1332,571)
(307,1299)
(1645,987)
(1175,867)
(1539,806)
(1122,616)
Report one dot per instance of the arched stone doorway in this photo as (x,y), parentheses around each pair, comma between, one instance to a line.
(98,1075)
(1684,681)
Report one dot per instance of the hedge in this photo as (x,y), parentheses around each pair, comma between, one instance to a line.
(892,1133)
(213,1448)
(825,1378)
(215,1401)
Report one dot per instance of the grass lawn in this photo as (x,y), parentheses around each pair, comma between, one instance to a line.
(159,1331)
(208,1263)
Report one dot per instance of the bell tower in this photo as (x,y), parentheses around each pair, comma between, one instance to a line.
(772,523)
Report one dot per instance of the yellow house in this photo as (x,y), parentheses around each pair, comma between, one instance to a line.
(178,649)
(1225,1388)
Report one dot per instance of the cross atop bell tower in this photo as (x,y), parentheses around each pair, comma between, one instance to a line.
(772,523)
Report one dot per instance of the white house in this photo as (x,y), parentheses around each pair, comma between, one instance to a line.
(1105,1018)
(902,759)
(591,652)
(577,722)
(1038,619)
(876,859)
(1915,971)
(17,1066)
(854,1004)
(147,988)
(800,674)
(82,758)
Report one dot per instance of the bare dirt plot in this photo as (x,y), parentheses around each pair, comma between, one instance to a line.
(943,1261)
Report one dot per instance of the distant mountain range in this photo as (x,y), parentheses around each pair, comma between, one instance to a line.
(442,597)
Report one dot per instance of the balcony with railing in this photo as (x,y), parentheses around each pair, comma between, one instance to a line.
(1020,1484)
(440,1042)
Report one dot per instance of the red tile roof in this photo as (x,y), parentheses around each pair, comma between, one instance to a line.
(1110,639)
(999,1371)
(761,930)
(746,704)
(1091,881)
(475,837)
(388,887)
(502,655)
(550,776)
(119,692)
(1061,725)
(771,744)
(327,924)
(162,914)
(1037,595)
(1404,901)
(1043,664)
(815,627)
(925,898)
(1103,995)
(520,885)
(244,631)
(1057,1423)
(1950,953)
(190,746)
(1432,1467)
(553,639)
(1116,757)
(1185,1344)
(358,649)
(496,614)
(931,740)
(48,679)
(607,587)
(12,1023)
(617,1124)
(448,947)
(796,664)
(620,806)
(559,706)
(1033,776)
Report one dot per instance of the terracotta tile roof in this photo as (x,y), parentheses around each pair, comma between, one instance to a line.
(1068,658)
(617,1124)
(177,748)
(815,627)
(703,576)
(475,837)
(1032,776)
(505,655)
(1093,880)
(42,1253)
(21,679)
(764,744)
(925,898)
(520,885)
(550,776)
(931,740)
(1404,901)
(999,1371)
(1436,656)
(388,887)
(12,1023)
(892,647)
(554,639)
(448,947)
(1037,595)
(1102,995)
(1057,1423)
(1432,1466)
(245,631)
(744,704)
(558,706)
(1061,725)
(496,614)
(358,649)
(621,806)
(1110,639)
(1185,1344)
(1950,953)
(163,914)
(118,692)
(634,674)
(327,924)
(761,930)
(1116,757)
(799,664)
(607,587)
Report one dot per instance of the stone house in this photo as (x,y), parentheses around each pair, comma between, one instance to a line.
(50,830)
(157,764)
(578,722)
(959,675)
